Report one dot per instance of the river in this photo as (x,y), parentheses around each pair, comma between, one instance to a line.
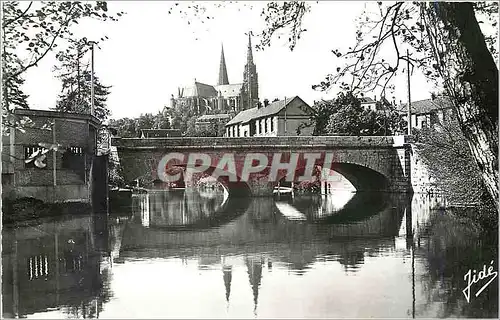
(203,254)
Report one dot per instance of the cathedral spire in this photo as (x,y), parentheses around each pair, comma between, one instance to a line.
(249,52)
(250,79)
(223,79)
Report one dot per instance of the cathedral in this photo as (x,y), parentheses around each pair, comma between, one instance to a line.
(222,97)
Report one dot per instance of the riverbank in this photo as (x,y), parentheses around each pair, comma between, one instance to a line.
(446,155)
(31,211)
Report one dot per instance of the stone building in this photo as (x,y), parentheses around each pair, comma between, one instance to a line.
(428,112)
(223,97)
(52,176)
(280,118)
(212,122)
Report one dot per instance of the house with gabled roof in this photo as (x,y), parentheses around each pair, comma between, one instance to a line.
(428,112)
(280,118)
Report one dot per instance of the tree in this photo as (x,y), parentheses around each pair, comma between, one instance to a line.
(30,31)
(77,81)
(161,121)
(182,119)
(448,45)
(443,149)
(345,115)
(125,127)
(131,128)
(72,100)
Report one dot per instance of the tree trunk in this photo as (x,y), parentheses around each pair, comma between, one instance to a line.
(471,79)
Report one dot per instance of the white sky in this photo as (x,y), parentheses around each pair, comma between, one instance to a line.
(150,53)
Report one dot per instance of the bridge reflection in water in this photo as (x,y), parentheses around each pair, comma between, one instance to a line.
(192,254)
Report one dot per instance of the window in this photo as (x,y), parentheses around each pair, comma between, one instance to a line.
(265,124)
(272,124)
(38,267)
(73,159)
(260,125)
(37,155)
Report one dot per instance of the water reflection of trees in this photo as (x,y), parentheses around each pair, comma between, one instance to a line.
(53,265)
(449,247)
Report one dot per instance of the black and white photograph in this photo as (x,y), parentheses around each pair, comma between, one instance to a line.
(249,159)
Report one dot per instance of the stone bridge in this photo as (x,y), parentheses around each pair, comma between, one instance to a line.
(256,165)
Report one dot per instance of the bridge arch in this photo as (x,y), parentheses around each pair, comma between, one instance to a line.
(361,177)
(231,181)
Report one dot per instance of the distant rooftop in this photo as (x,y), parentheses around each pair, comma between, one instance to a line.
(229,90)
(428,105)
(197,89)
(208,117)
(56,114)
(254,113)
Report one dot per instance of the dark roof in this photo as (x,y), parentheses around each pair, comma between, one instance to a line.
(428,105)
(160,130)
(219,116)
(254,113)
(197,89)
(57,114)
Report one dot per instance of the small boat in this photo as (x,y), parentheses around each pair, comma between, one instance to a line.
(282,190)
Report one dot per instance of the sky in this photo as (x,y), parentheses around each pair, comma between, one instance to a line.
(150,53)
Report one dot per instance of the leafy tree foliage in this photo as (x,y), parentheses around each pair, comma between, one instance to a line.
(76,96)
(171,118)
(447,43)
(444,150)
(131,127)
(30,31)
(345,115)
(76,82)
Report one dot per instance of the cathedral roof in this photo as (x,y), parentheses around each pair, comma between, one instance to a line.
(229,90)
(197,89)
(208,117)
(254,113)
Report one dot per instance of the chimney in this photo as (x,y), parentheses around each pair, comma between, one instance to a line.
(266,102)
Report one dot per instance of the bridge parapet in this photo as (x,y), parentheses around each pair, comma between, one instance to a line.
(268,142)
(378,163)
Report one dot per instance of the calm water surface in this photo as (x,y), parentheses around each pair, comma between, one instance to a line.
(202,254)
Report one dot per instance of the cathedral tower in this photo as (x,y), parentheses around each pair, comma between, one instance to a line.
(223,79)
(250,80)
